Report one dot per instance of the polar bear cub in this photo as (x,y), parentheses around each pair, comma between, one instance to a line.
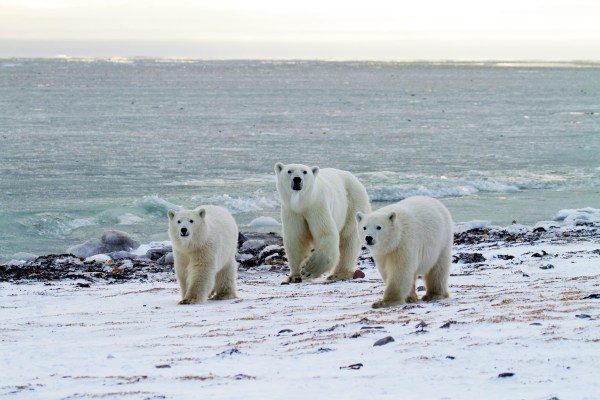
(204,246)
(407,239)
(318,215)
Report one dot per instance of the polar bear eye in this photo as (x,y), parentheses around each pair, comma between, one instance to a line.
(364,228)
(191,221)
(290,172)
(378,228)
(304,172)
(178,221)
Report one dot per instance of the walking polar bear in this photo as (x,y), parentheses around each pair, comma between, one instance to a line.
(410,238)
(318,214)
(204,246)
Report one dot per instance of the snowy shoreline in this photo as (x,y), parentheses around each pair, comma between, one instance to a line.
(522,322)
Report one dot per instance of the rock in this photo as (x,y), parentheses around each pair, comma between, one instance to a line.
(110,242)
(119,239)
(358,274)
(156,253)
(468,258)
(384,341)
(506,374)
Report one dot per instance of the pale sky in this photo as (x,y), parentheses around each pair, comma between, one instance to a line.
(555,30)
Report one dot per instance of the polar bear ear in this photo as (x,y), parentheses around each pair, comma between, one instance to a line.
(392,217)
(315,170)
(279,167)
(359,216)
(171,214)
(202,212)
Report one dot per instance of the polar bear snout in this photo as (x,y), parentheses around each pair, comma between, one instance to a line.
(297,183)
(370,240)
(184,232)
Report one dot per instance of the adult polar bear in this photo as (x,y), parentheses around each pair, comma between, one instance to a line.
(318,214)
(410,238)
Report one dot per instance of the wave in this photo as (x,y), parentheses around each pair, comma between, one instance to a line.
(49,224)
(156,205)
(237,205)
(389,186)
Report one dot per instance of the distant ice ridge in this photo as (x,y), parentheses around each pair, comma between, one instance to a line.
(578,216)
(394,186)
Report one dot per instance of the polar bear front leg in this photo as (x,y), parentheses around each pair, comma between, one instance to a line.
(349,251)
(297,242)
(399,285)
(181,272)
(200,284)
(325,256)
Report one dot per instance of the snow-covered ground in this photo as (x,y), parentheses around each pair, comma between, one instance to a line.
(521,324)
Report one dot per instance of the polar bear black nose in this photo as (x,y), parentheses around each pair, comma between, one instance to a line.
(184,231)
(369,239)
(297,180)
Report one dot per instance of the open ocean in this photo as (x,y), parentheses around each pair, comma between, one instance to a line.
(94,144)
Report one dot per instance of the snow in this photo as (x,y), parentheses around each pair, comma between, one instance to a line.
(522,311)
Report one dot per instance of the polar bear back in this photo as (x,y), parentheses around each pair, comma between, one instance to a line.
(328,181)
(423,225)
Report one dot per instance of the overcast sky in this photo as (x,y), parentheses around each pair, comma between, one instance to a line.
(301,29)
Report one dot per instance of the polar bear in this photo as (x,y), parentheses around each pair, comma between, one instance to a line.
(318,214)
(204,246)
(410,238)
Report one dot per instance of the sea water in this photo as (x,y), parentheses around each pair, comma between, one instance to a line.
(94,144)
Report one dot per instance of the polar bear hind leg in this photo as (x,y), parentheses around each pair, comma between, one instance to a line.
(349,251)
(436,279)
(399,287)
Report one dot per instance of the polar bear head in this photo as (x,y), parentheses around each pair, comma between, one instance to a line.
(296,183)
(187,227)
(378,231)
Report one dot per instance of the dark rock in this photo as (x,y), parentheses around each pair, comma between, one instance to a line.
(358,274)
(592,296)
(468,258)
(583,316)
(447,324)
(506,374)
(547,266)
(229,352)
(384,341)
(353,366)
(156,253)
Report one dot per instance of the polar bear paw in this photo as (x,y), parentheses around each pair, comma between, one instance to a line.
(292,279)
(435,296)
(341,276)
(189,301)
(386,303)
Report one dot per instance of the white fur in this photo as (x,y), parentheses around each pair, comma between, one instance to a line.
(319,224)
(205,259)
(407,239)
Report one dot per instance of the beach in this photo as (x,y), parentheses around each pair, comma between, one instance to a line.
(522,322)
